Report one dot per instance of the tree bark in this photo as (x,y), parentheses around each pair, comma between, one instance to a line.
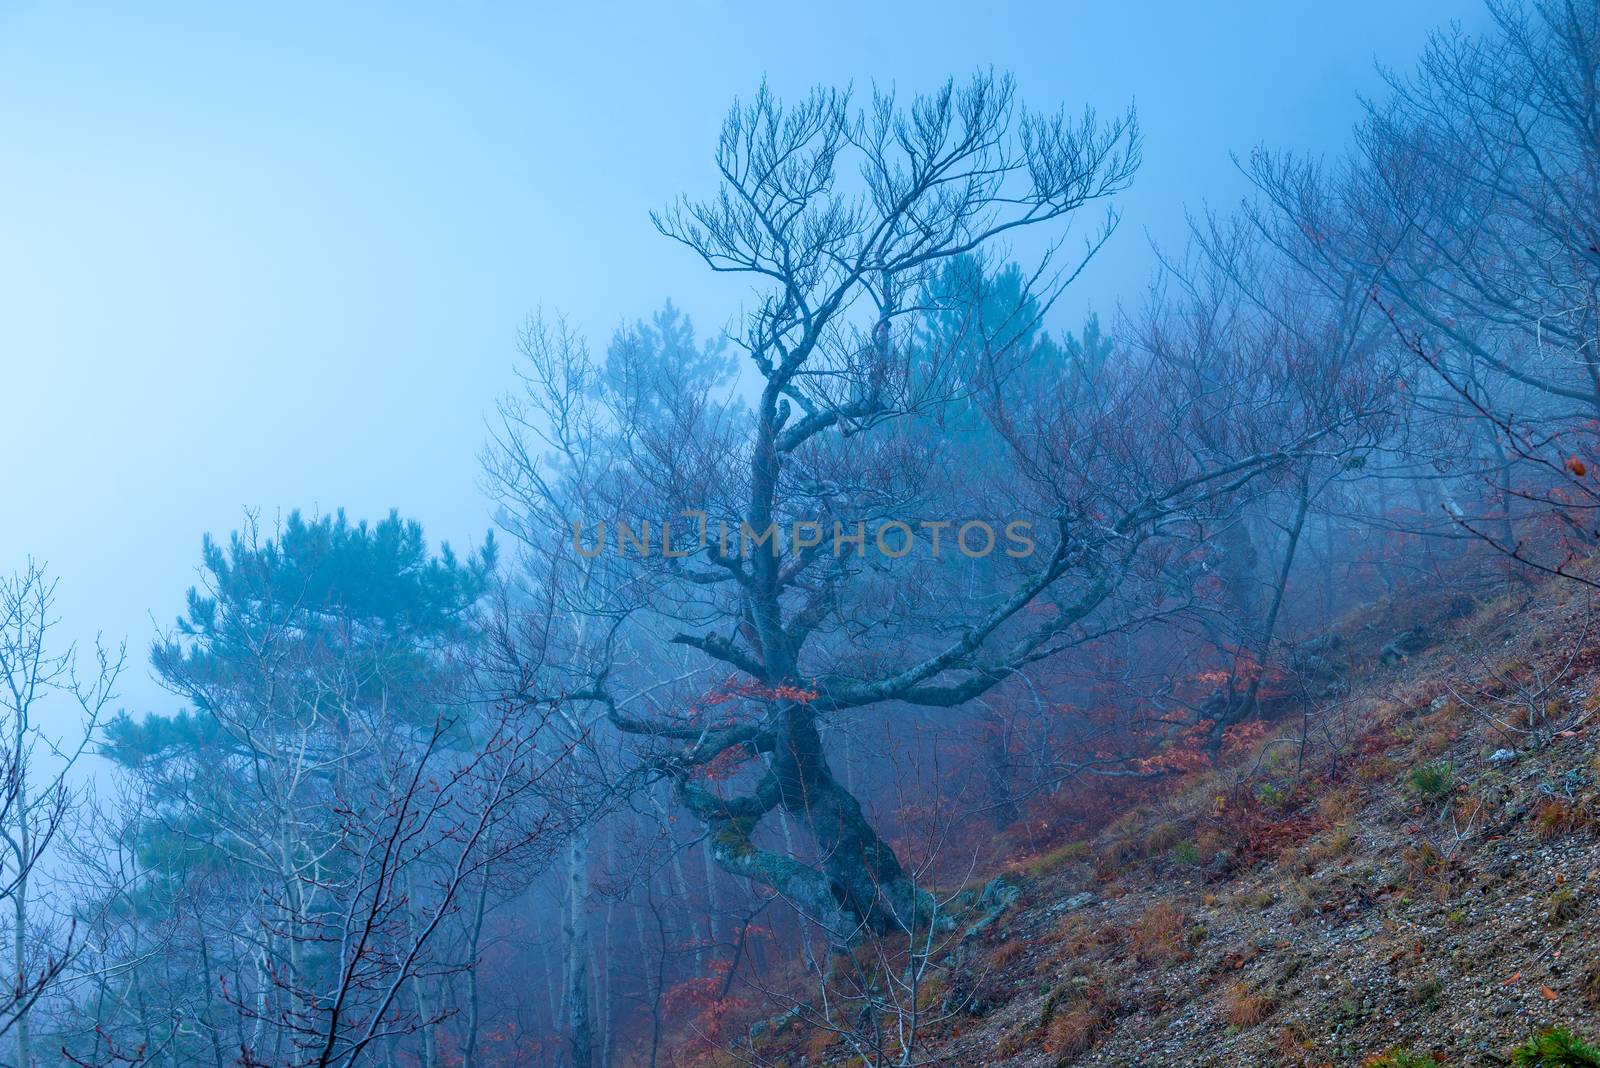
(858,885)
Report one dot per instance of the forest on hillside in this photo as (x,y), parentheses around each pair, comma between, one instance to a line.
(793,636)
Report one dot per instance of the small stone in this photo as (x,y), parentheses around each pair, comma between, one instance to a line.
(1501,756)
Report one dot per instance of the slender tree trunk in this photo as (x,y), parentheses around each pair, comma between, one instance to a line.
(1003,809)
(847,757)
(603,975)
(1242,562)
(786,825)
(640,938)
(580,1032)
(1508,520)
(469,1048)
(293,896)
(680,885)
(1269,627)
(428,1055)
(19,903)
(258,1025)
(604,1009)
(207,1017)
(713,906)
(555,976)
(1327,571)
(660,980)
(143,1015)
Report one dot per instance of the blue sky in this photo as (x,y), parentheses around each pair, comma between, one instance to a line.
(276,255)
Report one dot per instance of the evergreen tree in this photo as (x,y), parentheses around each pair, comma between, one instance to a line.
(312,663)
(983,331)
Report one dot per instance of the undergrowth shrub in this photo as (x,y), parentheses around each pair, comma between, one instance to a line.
(1400,1058)
(1432,780)
(1591,987)
(1262,822)
(1339,806)
(1336,844)
(1376,769)
(1561,907)
(1073,1031)
(1556,1048)
(1013,1042)
(1429,870)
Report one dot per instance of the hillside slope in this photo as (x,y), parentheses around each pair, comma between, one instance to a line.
(1410,866)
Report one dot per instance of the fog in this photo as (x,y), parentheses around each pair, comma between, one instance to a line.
(278,259)
(698,535)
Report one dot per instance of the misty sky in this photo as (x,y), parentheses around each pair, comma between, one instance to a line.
(276,255)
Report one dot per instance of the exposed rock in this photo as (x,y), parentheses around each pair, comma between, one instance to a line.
(1403,645)
(997,895)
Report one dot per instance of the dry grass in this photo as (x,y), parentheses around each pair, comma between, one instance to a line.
(1244,1006)
(1557,818)
(1010,1044)
(1158,934)
(1338,806)
(1057,859)
(1591,987)
(1072,1031)
(1007,953)
(1471,811)
(1336,843)
(1139,835)
(1429,870)
(1209,844)
(819,1044)
(1378,769)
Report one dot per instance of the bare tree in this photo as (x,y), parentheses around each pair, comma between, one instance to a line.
(1236,310)
(36,794)
(1470,211)
(782,528)
(562,608)
(409,844)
